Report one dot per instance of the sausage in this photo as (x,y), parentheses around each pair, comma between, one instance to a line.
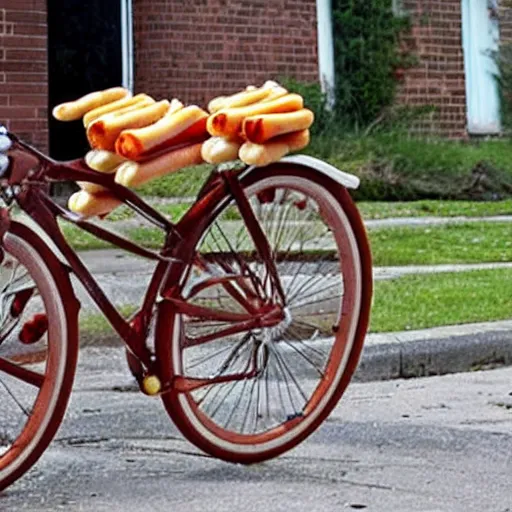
(260,129)
(103,132)
(228,122)
(185,124)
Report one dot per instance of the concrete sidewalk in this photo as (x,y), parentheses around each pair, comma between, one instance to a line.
(385,356)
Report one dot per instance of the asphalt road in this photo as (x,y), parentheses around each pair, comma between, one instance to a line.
(442,444)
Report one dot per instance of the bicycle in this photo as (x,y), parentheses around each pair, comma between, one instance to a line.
(250,329)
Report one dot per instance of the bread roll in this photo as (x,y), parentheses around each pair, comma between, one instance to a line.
(274,150)
(217,150)
(103,132)
(91,205)
(72,110)
(228,122)
(103,161)
(260,129)
(183,125)
(133,174)
(116,106)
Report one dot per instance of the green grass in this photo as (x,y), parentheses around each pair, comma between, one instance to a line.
(458,243)
(392,166)
(431,245)
(411,302)
(383,210)
(96,323)
(184,183)
(370,210)
(421,302)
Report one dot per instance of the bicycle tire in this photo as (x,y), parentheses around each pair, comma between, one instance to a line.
(189,411)
(57,351)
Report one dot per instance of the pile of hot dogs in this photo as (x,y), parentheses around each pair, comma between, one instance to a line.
(140,139)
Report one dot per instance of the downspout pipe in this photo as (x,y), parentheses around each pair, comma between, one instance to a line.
(325,49)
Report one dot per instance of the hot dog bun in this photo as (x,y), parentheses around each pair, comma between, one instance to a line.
(72,110)
(217,150)
(274,150)
(103,132)
(119,105)
(228,122)
(90,205)
(185,124)
(260,129)
(133,174)
(103,161)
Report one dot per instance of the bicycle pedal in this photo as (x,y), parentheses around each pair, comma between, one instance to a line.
(151,385)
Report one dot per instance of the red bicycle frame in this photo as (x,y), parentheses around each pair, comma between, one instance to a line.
(28,183)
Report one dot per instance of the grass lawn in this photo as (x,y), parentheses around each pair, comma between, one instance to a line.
(371,210)
(477,242)
(420,302)
(411,302)
(432,245)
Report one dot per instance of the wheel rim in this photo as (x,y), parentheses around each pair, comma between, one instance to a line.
(29,401)
(313,279)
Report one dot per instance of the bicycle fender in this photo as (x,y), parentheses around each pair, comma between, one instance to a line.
(343,178)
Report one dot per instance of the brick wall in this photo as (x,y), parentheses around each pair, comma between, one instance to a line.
(436,39)
(23,69)
(201,49)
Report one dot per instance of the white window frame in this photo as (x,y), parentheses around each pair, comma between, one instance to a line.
(127,43)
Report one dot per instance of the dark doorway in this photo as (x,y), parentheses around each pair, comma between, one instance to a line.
(85,55)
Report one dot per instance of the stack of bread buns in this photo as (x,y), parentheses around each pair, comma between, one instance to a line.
(139,139)
(259,125)
(135,137)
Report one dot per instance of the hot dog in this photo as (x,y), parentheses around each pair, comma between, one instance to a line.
(260,129)
(228,122)
(185,124)
(140,99)
(132,174)
(274,150)
(72,110)
(103,132)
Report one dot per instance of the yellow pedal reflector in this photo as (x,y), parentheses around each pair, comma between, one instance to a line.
(151,385)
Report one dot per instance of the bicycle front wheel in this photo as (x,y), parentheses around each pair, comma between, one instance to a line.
(302,365)
(38,349)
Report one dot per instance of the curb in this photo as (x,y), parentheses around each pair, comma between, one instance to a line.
(436,351)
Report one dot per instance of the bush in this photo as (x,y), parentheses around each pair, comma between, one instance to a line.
(367,54)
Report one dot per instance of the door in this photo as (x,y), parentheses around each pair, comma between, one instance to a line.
(89,48)
(480,35)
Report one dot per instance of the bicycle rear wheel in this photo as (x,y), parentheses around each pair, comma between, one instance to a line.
(38,349)
(302,365)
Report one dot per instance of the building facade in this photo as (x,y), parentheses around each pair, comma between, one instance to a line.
(198,50)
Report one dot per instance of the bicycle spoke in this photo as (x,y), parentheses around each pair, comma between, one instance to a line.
(312,363)
(283,364)
(11,394)
(28,376)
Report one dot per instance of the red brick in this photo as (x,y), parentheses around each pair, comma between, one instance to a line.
(198,52)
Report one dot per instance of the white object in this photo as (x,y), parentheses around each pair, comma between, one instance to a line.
(325,48)
(480,36)
(343,178)
(127,43)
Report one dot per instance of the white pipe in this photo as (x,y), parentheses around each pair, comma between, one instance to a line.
(325,48)
(127,43)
